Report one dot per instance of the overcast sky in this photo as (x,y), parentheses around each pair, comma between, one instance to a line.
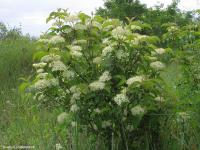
(31,14)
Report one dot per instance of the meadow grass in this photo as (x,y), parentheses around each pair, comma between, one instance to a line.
(20,122)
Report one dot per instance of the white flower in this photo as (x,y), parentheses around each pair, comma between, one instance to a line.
(157,65)
(76,54)
(159,99)
(160,51)
(72,18)
(107,50)
(62,117)
(137,110)
(121,98)
(74,89)
(97,60)
(56,40)
(75,96)
(74,124)
(40,65)
(106,124)
(75,48)
(119,33)
(74,108)
(50,58)
(68,74)
(105,77)
(97,85)
(106,41)
(135,79)
(44,83)
(40,70)
(121,54)
(76,51)
(58,66)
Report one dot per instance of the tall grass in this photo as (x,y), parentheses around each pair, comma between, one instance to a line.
(20,121)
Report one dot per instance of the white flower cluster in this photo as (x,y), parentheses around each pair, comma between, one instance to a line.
(50,58)
(106,41)
(74,108)
(135,79)
(97,85)
(100,84)
(75,51)
(62,117)
(119,33)
(107,50)
(76,93)
(105,77)
(121,98)
(137,110)
(40,70)
(72,18)
(45,83)
(157,65)
(68,74)
(39,65)
(58,66)
(97,60)
(56,40)
(121,54)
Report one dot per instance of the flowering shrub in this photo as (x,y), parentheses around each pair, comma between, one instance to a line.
(105,74)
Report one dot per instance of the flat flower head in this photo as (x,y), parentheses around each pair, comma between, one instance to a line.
(97,85)
(157,65)
(120,99)
(135,79)
(105,77)
(97,60)
(107,50)
(137,110)
(62,117)
(56,40)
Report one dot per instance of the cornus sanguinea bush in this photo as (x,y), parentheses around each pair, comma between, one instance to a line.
(105,74)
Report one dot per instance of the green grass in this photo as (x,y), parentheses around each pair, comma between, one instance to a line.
(21,123)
